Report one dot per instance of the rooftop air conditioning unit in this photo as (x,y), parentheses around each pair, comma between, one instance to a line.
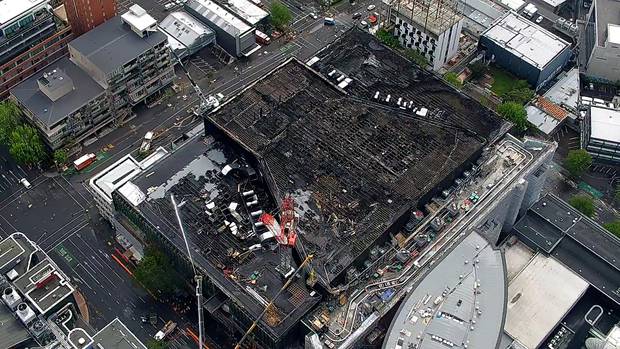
(11,298)
(25,314)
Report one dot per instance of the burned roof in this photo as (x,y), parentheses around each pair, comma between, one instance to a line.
(208,175)
(354,164)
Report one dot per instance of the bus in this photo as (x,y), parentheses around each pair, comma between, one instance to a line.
(262,38)
(84,161)
(329,21)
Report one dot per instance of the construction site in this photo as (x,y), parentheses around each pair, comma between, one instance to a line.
(300,179)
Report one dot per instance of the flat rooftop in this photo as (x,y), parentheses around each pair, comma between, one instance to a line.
(218,15)
(116,335)
(112,44)
(556,228)
(12,331)
(353,165)
(605,124)
(11,9)
(526,40)
(541,294)
(452,318)
(184,31)
(607,12)
(52,113)
(194,174)
(247,11)
(44,285)
(13,250)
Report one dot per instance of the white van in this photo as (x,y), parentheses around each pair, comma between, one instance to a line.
(25,182)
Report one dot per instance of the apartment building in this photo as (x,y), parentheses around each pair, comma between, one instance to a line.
(111,69)
(433,30)
(85,15)
(31,37)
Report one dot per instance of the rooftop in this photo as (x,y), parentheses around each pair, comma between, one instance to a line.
(112,44)
(12,331)
(556,228)
(14,250)
(50,112)
(247,10)
(352,164)
(435,16)
(565,92)
(607,12)
(44,285)
(526,40)
(472,262)
(116,335)
(220,16)
(542,120)
(194,174)
(138,18)
(184,30)
(542,294)
(605,124)
(11,9)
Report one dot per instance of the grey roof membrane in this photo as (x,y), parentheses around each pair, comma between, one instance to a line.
(12,332)
(48,111)
(113,44)
(452,319)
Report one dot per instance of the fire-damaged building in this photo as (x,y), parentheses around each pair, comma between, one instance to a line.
(352,139)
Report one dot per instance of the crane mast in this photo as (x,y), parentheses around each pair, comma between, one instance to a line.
(197,276)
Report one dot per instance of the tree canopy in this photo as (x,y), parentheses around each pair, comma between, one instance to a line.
(515,113)
(60,157)
(280,15)
(25,146)
(614,227)
(387,38)
(478,69)
(155,272)
(453,79)
(577,162)
(9,119)
(153,344)
(583,204)
(518,95)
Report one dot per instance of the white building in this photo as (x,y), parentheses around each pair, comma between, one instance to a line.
(600,134)
(433,29)
(186,35)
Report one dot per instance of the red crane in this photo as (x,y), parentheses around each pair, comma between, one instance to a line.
(288,221)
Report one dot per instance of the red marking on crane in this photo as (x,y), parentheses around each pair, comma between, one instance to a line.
(122,255)
(122,265)
(195,337)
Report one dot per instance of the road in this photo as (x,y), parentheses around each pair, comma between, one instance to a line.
(59,215)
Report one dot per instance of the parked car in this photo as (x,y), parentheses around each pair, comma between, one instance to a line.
(539,19)
(371,7)
(25,182)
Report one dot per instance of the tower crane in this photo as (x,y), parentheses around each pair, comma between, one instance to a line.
(206,102)
(197,276)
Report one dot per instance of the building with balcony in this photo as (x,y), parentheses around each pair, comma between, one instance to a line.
(127,56)
(31,37)
(111,69)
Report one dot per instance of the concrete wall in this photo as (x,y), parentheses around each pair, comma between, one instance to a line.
(604,63)
(86,65)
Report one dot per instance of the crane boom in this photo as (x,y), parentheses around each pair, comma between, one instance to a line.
(197,276)
(270,304)
(206,102)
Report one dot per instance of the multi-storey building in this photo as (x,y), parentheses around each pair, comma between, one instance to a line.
(30,38)
(600,42)
(111,69)
(127,56)
(433,29)
(85,15)
(600,134)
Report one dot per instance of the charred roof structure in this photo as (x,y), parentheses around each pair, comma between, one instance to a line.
(358,141)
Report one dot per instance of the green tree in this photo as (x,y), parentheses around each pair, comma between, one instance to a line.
(60,157)
(583,204)
(453,79)
(577,162)
(416,57)
(515,113)
(617,194)
(155,272)
(280,15)
(478,69)
(614,227)
(387,38)
(153,344)
(518,95)
(9,119)
(25,146)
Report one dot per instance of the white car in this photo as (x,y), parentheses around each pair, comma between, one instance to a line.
(539,19)
(364,24)
(313,15)
(371,7)
(25,182)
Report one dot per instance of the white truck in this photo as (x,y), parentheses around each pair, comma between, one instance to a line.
(168,328)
